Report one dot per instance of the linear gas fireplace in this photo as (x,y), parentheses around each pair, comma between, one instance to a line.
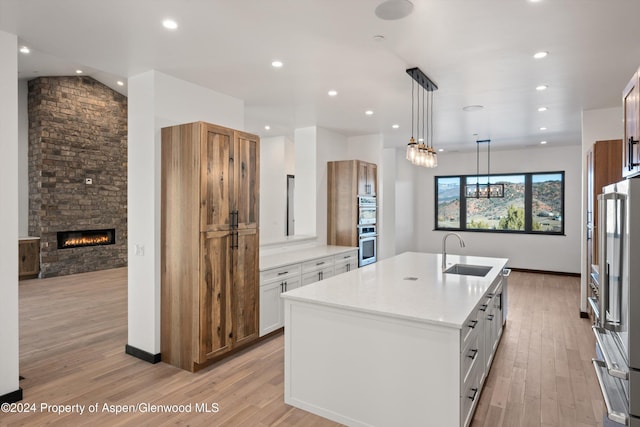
(81,238)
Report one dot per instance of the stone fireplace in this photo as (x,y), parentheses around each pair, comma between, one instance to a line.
(77,174)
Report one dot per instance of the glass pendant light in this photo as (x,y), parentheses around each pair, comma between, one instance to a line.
(412,147)
(422,153)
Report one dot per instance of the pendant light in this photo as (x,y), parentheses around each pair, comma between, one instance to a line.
(422,153)
(488,190)
(412,147)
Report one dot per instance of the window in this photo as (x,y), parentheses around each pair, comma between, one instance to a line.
(531,203)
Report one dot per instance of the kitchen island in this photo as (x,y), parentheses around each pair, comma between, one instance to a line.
(398,342)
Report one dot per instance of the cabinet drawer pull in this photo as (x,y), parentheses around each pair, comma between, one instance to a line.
(282,273)
(490,317)
(474,352)
(483,307)
(490,295)
(319,263)
(475,393)
(472,324)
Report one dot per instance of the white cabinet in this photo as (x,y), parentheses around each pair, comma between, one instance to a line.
(479,338)
(272,283)
(317,269)
(346,262)
(275,281)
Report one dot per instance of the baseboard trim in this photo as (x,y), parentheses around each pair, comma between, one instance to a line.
(142,355)
(14,396)
(584,315)
(557,273)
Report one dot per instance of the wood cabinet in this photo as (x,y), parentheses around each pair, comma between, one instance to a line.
(604,167)
(631,146)
(28,257)
(209,241)
(346,179)
(367,178)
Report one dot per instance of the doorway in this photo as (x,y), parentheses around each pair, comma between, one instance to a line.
(290,227)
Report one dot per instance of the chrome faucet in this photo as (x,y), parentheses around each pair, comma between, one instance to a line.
(444,247)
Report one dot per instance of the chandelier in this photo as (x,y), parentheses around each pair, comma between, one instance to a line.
(488,190)
(421,152)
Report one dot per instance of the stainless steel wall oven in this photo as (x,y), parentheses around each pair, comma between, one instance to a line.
(367,237)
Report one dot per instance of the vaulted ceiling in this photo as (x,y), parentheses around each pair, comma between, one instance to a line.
(478,52)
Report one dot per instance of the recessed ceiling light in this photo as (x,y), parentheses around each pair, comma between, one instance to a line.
(440,150)
(541,109)
(543,142)
(542,87)
(78,71)
(368,112)
(470,108)
(420,139)
(24,49)
(333,92)
(394,9)
(267,127)
(277,64)
(395,126)
(170,24)
(378,38)
(540,55)
(120,83)
(543,128)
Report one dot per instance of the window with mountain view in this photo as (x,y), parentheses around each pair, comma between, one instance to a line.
(530,203)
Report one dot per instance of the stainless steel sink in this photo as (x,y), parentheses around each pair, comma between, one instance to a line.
(468,270)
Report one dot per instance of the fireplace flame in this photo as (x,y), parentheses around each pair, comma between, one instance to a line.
(84,241)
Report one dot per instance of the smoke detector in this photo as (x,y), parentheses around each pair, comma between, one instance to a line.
(394,9)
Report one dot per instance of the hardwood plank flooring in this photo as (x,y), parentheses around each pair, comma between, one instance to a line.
(543,364)
(73,331)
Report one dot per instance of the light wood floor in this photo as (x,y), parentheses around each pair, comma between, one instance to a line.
(73,331)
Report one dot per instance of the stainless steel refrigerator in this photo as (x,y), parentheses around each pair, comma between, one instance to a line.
(617,324)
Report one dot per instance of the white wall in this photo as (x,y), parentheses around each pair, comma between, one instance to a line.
(406,206)
(23,158)
(330,146)
(387,229)
(305,191)
(597,125)
(157,100)
(9,358)
(537,252)
(273,189)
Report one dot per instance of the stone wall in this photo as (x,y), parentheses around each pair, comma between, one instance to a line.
(77,130)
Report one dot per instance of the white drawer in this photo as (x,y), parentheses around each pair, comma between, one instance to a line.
(346,257)
(469,396)
(314,276)
(470,357)
(279,273)
(345,266)
(317,264)
(470,329)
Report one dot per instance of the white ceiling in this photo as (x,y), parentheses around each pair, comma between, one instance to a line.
(476,51)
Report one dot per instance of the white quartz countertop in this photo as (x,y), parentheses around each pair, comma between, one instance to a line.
(409,286)
(293,255)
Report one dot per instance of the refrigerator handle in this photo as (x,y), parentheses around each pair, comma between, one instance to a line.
(605,320)
(602,259)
